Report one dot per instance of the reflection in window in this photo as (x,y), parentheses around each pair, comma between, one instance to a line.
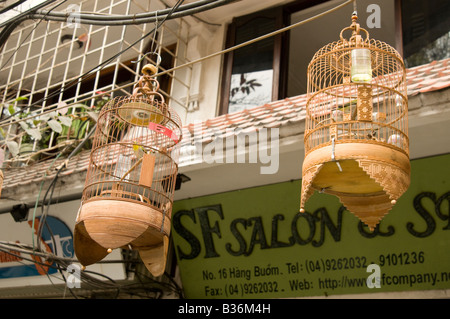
(250,90)
(252,71)
(439,49)
(426,31)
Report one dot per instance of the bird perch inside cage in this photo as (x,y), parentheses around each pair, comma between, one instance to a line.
(356,136)
(128,194)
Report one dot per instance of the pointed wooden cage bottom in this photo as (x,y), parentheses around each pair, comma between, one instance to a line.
(105,224)
(367,178)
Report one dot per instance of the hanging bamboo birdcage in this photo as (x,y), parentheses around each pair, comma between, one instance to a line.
(356,135)
(128,194)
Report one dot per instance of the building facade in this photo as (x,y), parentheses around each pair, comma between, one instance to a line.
(235,72)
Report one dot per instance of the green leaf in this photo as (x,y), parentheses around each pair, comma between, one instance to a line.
(55,126)
(24,125)
(45,117)
(13,147)
(93,115)
(34,133)
(11,109)
(65,120)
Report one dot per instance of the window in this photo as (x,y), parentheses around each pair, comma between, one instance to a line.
(252,75)
(426,31)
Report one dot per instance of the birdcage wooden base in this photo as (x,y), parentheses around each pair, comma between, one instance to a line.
(367,177)
(88,252)
(369,209)
(109,224)
(154,257)
(116,223)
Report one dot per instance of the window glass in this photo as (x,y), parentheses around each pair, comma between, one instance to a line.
(252,70)
(426,31)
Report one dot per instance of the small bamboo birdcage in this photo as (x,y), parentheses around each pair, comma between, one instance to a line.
(356,135)
(128,194)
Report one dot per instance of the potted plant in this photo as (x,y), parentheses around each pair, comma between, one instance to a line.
(71,133)
(83,117)
(34,130)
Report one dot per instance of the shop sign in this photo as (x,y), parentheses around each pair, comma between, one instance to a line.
(56,238)
(253,243)
(20,268)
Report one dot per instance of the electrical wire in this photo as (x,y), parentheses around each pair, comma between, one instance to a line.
(51,187)
(90,278)
(268,35)
(24,15)
(12,6)
(109,17)
(12,24)
(139,18)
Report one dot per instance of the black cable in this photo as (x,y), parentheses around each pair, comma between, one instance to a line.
(4,35)
(159,13)
(90,277)
(94,21)
(52,185)
(17,20)
(9,28)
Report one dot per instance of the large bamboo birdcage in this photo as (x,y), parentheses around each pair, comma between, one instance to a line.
(128,194)
(356,135)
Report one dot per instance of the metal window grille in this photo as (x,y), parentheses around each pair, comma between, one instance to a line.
(52,66)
